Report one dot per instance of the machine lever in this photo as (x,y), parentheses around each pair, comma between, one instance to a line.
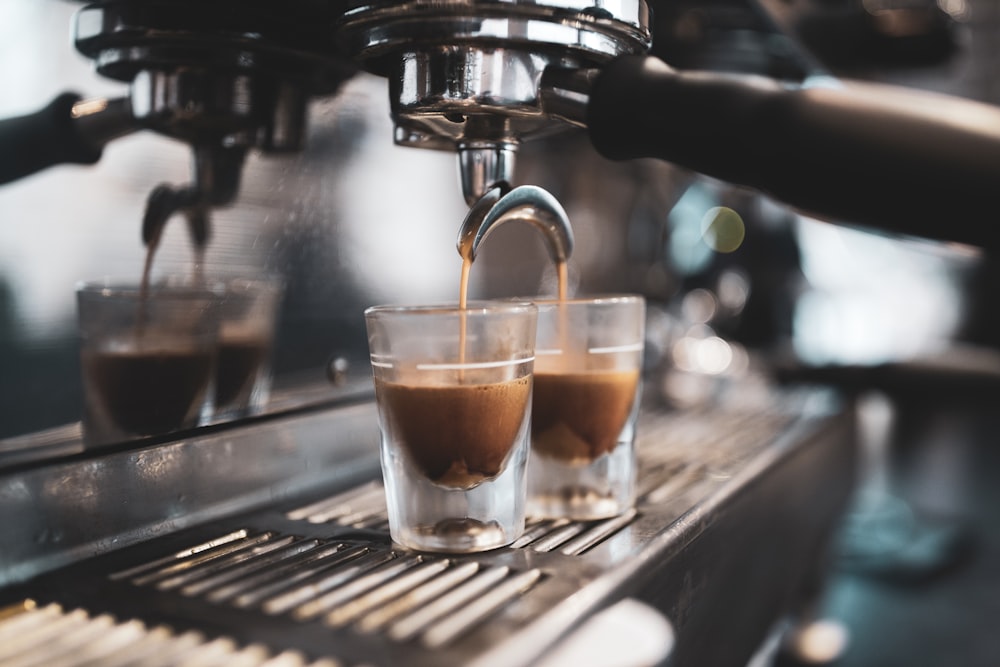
(899,160)
(68,130)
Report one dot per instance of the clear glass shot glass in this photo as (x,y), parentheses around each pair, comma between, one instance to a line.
(146,359)
(587,385)
(247,316)
(453,389)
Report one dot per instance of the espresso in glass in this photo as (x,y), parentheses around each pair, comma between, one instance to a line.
(148,387)
(586,401)
(240,358)
(248,313)
(454,421)
(578,416)
(456,435)
(147,358)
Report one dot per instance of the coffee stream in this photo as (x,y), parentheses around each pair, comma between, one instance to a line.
(148,382)
(147,272)
(151,383)
(460,435)
(457,435)
(578,412)
(463,306)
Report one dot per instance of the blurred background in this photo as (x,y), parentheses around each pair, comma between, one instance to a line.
(743,291)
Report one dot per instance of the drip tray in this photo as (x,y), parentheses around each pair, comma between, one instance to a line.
(316,581)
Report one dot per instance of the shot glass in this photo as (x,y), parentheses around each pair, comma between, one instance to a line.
(453,389)
(247,316)
(586,402)
(146,358)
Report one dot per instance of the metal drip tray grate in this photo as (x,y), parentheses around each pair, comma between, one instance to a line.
(369,588)
(33,636)
(313,575)
(364,508)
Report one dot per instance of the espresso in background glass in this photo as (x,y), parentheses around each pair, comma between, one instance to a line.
(147,358)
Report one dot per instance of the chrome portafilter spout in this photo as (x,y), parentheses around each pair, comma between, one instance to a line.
(464,74)
(527,203)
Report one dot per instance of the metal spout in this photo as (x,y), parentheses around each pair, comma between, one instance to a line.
(527,203)
(485,165)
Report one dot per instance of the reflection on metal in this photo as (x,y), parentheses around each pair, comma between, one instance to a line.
(48,510)
(408,627)
(527,203)
(384,598)
(169,561)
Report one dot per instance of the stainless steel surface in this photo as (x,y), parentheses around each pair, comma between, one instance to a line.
(483,165)
(221,82)
(314,571)
(86,504)
(526,203)
(201,105)
(564,93)
(466,73)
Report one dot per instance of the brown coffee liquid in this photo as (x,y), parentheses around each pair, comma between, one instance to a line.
(237,364)
(463,304)
(148,390)
(579,416)
(147,272)
(455,435)
(147,385)
(562,273)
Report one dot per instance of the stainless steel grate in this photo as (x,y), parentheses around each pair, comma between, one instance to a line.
(325,580)
(360,507)
(33,636)
(364,507)
(366,587)
(677,451)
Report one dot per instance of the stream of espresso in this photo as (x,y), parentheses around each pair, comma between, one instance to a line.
(147,271)
(463,304)
(562,274)
(148,381)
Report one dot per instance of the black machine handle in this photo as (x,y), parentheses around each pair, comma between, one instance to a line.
(900,160)
(42,139)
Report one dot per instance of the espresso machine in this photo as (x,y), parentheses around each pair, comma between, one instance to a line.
(265,540)
(480,80)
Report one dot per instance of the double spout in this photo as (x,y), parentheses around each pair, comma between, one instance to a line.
(527,203)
